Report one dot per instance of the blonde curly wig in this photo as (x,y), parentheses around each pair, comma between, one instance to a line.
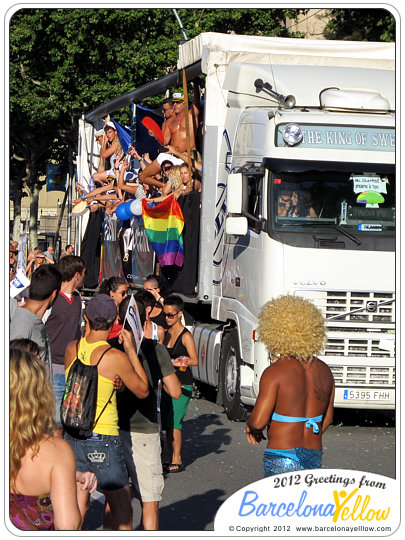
(292,326)
(32,407)
(174,177)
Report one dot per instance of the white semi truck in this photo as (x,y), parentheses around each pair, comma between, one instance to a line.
(298,198)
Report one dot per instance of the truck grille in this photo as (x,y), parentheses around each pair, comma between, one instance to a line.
(361,330)
(363,375)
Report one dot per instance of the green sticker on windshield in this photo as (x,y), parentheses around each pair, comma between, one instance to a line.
(370,197)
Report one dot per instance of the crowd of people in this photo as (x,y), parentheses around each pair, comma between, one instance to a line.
(142,389)
(49,332)
(177,169)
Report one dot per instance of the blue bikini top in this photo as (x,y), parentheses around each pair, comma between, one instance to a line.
(310,422)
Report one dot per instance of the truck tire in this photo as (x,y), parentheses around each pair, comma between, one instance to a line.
(230,378)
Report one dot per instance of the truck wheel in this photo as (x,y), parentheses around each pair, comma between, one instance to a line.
(230,378)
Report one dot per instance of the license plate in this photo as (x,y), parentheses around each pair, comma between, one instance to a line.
(367,395)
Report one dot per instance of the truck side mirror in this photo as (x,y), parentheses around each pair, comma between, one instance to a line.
(236,225)
(234,193)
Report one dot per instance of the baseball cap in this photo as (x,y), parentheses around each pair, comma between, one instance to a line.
(99,133)
(130,176)
(102,306)
(178,96)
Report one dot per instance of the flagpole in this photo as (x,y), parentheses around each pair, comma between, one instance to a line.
(187,118)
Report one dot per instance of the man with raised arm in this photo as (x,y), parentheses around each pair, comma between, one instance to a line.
(175,133)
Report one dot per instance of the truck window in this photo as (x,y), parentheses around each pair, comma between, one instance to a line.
(253,199)
(359,201)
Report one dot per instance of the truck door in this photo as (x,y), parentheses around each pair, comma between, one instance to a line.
(243,254)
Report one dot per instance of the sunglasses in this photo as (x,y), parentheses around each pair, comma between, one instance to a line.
(123,293)
(170,315)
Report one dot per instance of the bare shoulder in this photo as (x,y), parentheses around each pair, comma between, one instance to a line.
(115,354)
(71,346)
(70,353)
(56,447)
(322,368)
(272,373)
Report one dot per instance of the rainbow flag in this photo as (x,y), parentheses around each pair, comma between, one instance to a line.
(164,226)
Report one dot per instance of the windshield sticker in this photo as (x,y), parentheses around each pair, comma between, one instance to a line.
(369,183)
(370,187)
(370,198)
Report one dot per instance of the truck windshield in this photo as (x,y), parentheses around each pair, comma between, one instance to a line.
(355,203)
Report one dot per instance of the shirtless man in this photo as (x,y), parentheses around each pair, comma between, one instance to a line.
(296,391)
(174,133)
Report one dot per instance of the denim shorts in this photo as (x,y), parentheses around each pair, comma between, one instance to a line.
(103,455)
(58,390)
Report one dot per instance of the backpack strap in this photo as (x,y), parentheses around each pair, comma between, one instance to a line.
(112,393)
(99,360)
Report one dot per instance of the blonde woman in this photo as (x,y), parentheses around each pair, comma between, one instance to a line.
(36,261)
(296,391)
(174,186)
(42,467)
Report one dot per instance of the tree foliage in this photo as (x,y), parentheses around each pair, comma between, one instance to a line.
(361,25)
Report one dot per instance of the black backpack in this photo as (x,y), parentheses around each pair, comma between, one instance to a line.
(79,402)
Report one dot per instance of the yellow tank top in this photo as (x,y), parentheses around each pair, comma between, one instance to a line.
(108,422)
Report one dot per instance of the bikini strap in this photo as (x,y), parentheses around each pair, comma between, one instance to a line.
(310,422)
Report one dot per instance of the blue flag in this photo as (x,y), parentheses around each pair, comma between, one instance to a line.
(124,135)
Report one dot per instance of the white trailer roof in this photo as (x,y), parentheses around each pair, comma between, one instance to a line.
(215,48)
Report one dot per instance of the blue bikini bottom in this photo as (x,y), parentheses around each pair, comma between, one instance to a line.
(291,459)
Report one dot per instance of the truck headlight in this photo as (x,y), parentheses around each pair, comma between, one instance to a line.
(292,134)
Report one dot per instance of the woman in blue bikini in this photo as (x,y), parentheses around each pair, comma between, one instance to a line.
(296,391)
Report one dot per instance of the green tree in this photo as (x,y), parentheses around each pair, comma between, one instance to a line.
(361,25)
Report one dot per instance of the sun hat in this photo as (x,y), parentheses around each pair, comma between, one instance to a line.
(110,125)
(178,96)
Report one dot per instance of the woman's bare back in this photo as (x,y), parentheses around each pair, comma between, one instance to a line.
(293,389)
(304,391)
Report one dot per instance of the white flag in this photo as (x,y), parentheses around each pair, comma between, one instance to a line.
(132,316)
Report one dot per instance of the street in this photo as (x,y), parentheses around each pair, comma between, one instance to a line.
(219,461)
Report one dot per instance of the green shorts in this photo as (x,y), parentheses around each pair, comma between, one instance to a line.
(172,411)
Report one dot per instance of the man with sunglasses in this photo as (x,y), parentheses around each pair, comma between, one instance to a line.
(175,132)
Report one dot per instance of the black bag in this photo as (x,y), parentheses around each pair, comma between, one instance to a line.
(79,402)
